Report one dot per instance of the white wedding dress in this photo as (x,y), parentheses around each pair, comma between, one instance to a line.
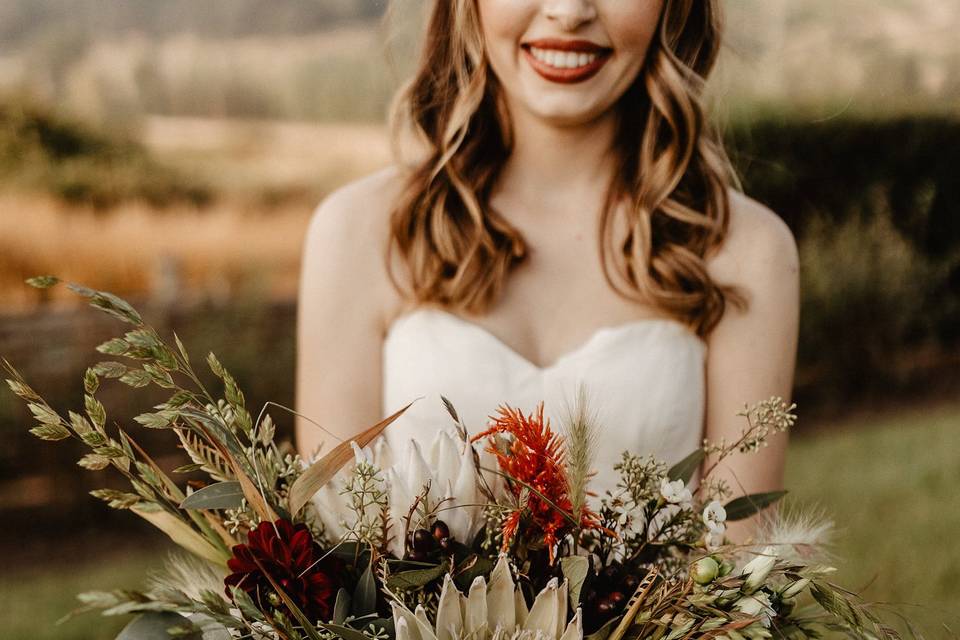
(644,380)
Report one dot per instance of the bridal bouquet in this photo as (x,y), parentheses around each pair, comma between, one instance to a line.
(486,534)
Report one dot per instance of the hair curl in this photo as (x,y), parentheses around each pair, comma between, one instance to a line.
(672,173)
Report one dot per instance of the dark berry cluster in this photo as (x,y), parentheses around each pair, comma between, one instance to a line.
(424,542)
(608,593)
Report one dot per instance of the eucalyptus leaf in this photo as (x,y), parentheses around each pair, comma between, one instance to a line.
(481,567)
(603,632)
(575,570)
(222,495)
(154,626)
(415,578)
(211,629)
(685,469)
(365,593)
(341,609)
(746,506)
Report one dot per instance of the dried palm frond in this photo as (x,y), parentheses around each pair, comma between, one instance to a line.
(201,453)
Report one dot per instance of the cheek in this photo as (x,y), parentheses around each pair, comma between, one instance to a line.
(632,25)
(503,23)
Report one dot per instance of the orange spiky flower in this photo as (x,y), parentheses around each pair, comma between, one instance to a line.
(536,459)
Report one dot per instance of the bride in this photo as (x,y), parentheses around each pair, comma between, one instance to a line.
(562,215)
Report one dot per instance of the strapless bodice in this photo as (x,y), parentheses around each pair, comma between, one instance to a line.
(644,380)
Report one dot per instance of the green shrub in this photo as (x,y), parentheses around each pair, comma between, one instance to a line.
(866,301)
(875,205)
(836,167)
(43,151)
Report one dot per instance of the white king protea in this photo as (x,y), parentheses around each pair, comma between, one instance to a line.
(448,469)
(492,612)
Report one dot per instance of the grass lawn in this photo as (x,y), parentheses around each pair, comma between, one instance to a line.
(892,486)
(889,482)
(33,600)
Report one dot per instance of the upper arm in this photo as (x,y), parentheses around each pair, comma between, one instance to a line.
(752,352)
(340,315)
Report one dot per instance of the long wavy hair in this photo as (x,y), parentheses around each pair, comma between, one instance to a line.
(672,173)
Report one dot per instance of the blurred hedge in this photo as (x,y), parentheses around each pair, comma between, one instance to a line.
(875,205)
(44,151)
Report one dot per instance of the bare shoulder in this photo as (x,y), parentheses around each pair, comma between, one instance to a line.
(357,209)
(759,246)
(345,241)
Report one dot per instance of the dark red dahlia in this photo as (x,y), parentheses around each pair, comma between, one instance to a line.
(290,555)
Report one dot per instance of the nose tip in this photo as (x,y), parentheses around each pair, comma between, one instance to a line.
(570,14)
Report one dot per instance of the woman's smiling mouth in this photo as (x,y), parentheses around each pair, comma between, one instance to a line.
(565,61)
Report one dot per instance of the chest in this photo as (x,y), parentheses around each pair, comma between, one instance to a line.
(645,380)
(559,296)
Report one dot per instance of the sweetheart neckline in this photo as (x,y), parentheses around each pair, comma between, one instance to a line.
(567,355)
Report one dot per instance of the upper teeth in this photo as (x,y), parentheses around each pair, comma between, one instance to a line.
(563,59)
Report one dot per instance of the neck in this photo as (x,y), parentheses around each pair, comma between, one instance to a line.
(548,160)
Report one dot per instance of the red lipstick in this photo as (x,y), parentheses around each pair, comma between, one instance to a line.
(566,74)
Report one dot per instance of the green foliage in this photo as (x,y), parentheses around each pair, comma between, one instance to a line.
(746,506)
(40,150)
(222,426)
(869,298)
(874,205)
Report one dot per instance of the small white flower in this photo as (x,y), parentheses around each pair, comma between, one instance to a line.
(757,604)
(675,492)
(714,541)
(715,517)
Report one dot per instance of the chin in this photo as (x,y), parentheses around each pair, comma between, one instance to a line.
(565,105)
(566,110)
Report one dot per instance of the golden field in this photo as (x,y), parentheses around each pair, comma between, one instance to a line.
(270,176)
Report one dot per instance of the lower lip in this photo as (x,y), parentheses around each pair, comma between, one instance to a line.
(567,76)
